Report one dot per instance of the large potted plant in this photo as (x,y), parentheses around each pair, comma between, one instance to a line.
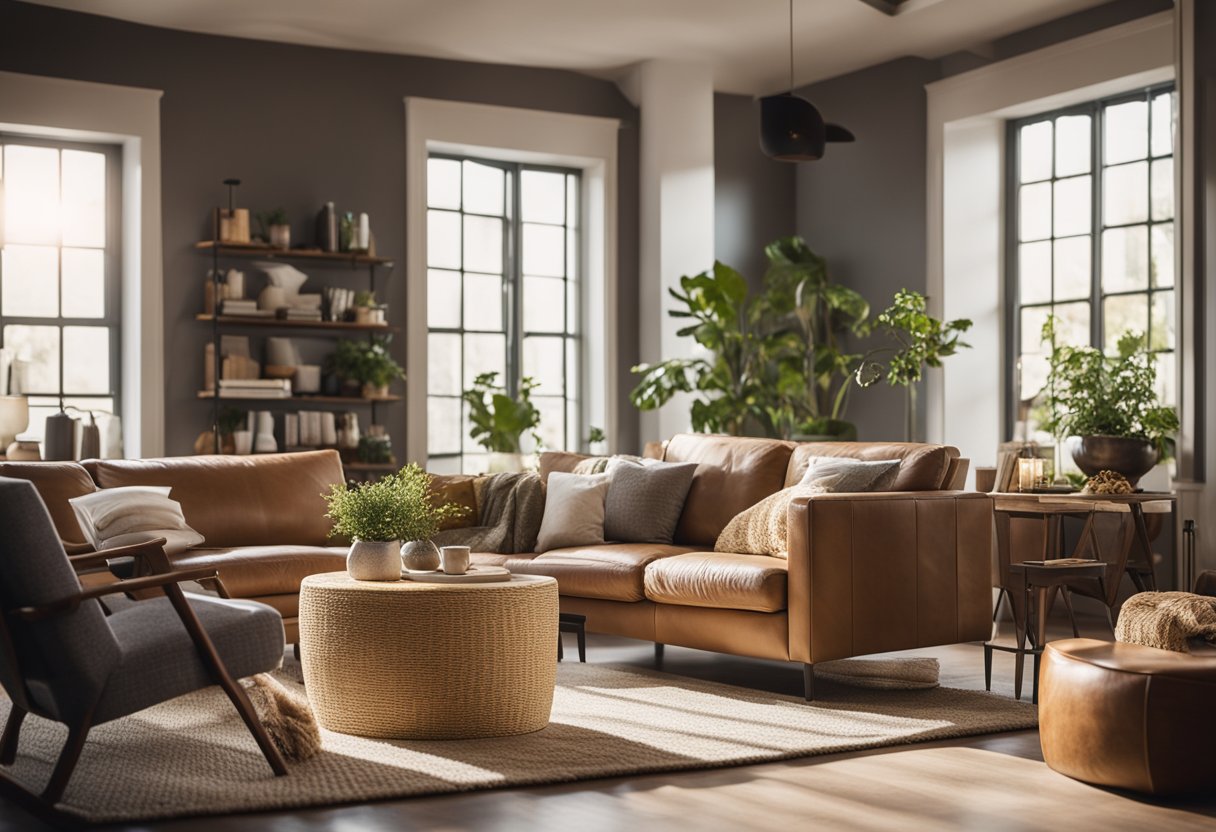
(1110,403)
(775,363)
(378,516)
(500,421)
(367,365)
(921,340)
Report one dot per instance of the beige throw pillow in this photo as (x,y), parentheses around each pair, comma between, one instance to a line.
(114,517)
(574,511)
(763,529)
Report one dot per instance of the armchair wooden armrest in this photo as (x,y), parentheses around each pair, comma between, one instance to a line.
(66,605)
(153,550)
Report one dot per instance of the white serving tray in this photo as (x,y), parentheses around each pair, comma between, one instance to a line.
(475,575)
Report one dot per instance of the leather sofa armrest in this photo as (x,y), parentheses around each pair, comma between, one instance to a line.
(874,572)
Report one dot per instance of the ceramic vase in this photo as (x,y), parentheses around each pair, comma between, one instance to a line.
(505,463)
(420,555)
(1133,458)
(374,560)
(280,236)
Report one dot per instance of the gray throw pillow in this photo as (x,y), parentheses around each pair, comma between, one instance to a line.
(845,475)
(645,500)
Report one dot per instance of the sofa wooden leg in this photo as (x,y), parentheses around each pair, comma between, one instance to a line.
(658,653)
(808,682)
(12,732)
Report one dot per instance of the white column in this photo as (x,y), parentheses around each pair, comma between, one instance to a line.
(676,212)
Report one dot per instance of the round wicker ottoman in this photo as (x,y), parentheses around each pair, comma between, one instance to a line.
(409,660)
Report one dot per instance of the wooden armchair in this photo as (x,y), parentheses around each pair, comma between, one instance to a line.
(62,659)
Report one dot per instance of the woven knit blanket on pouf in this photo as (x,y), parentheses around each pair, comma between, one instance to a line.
(1167,620)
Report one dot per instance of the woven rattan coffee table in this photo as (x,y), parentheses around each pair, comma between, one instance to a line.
(408,660)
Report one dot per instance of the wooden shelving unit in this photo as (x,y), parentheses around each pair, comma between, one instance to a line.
(217,250)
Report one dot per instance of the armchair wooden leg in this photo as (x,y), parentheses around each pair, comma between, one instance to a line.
(224,679)
(68,758)
(12,731)
(808,682)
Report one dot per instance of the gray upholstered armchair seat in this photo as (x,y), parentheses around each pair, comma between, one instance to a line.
(159,661)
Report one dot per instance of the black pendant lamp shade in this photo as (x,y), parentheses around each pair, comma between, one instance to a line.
(791,128)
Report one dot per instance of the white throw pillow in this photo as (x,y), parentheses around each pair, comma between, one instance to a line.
(845,475)
(114,517)
(574,511)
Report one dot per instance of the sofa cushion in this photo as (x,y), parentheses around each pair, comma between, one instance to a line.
(645,500)
(56,483)
(718,579)
(459,489)
(252,571)
(614,571)
(574,511)
(263,500)
(921,468)
(732,474)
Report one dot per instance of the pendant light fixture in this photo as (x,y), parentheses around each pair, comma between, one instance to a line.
(791,128)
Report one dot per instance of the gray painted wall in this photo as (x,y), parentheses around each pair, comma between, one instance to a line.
(863,205)
(753,195)
(300,126)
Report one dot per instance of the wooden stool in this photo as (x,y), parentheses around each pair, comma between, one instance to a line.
(572,622)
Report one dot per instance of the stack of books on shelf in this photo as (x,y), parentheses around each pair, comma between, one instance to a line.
(294,313)
(243,308)
(255,388)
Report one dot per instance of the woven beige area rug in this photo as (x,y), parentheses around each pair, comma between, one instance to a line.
(192,756)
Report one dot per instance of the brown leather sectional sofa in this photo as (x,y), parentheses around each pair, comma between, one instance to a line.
(262,516)
(866,573)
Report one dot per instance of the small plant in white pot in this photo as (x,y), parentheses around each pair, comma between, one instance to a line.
(379,515)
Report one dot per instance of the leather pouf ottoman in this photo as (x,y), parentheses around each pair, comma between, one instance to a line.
(1129,717)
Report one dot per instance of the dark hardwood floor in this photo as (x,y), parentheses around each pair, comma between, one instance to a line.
(994,782)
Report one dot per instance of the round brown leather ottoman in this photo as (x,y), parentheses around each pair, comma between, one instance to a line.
(410,660)
(1128,716)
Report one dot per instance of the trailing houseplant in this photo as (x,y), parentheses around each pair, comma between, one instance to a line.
(379,515)
(367,364)
(921,341)
(499,421)
(1110,403)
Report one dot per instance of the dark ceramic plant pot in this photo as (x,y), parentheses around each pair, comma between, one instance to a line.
(1133,458)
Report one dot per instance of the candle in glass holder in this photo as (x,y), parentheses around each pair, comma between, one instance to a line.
(1030,473)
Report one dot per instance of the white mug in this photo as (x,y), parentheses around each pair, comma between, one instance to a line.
(454,560)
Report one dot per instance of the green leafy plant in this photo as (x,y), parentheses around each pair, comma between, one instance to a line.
(366,362)
(374,449)
(231,420)
(1089,393)
(595,434)
(364,299)
(775,363)
(268,218)
(922,341)
(399,506)
(500,421)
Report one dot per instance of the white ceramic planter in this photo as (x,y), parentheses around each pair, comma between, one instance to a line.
(504,463)
(374,560)
(419,555)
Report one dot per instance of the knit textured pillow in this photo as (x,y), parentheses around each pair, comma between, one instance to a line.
(763,529)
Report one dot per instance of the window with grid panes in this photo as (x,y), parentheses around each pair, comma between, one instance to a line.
(59,273)
(502,296)
(1091,236)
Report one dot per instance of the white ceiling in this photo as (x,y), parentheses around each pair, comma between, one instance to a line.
(745,41)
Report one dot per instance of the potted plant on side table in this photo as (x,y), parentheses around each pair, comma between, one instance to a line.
(379,515)
(499,421)
(1110,403)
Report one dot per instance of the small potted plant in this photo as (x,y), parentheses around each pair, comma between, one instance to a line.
(377,516)
(1110,403)
(499,421)
(275,229)
(364,307)
(367,365)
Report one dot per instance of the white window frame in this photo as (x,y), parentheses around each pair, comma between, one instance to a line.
(587,143)
(83,111)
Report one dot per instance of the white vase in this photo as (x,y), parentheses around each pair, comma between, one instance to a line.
(374,560)
(505,463)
